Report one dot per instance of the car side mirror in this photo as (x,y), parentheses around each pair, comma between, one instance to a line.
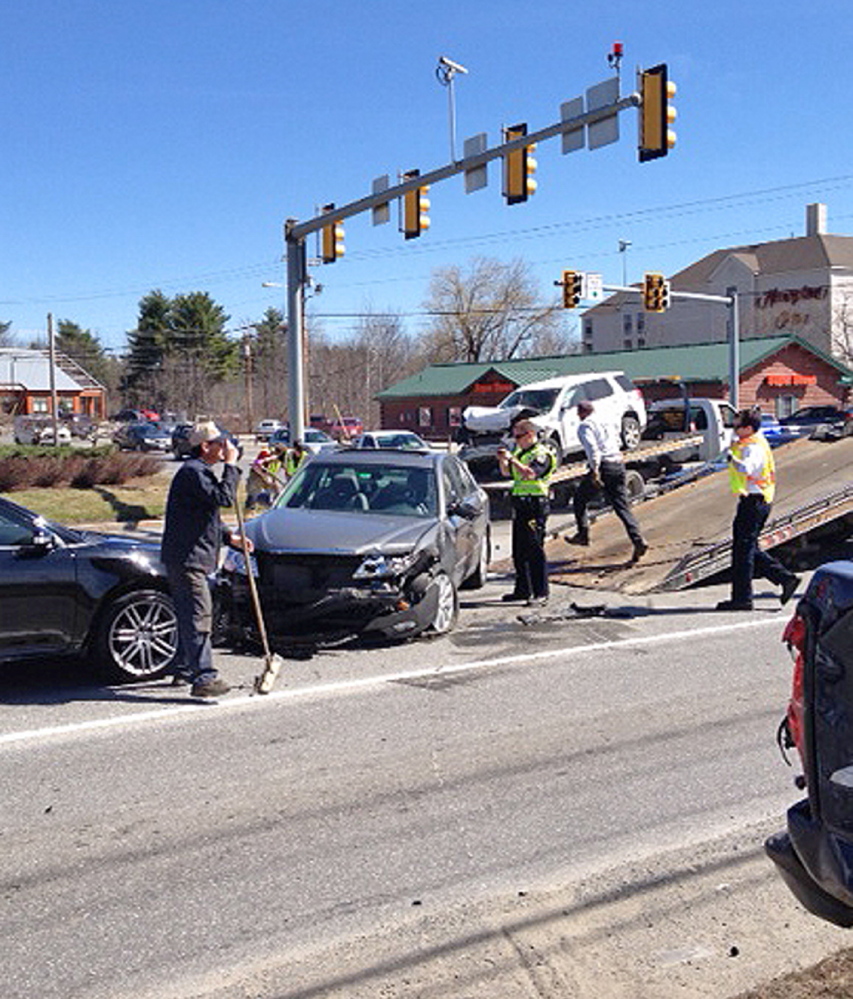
(41,542)
(467,508)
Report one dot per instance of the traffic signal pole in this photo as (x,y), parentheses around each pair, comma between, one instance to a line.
(295,234)
(731,302)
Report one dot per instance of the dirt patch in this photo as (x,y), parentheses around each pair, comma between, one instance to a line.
(832,978)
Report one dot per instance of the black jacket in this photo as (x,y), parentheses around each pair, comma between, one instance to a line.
(194,531)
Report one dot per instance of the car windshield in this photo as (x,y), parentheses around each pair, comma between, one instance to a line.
(539,399)
(405,441)
(369,489)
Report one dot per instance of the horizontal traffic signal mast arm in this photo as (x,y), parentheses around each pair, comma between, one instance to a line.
(299,230)
(696,296)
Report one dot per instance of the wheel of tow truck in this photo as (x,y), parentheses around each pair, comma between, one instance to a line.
(631,433)
(635,485)
(447,608)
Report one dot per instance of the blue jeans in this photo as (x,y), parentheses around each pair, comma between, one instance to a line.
(194,610)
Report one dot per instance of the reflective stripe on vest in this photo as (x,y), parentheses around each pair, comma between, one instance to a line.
(532,487)
(766,478)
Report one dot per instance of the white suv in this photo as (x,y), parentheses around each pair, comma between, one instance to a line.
(555,401)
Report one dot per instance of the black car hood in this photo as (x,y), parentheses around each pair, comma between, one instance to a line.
(334,532)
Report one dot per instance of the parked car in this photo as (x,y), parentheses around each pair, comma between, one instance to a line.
(342,428)
(803,421)
(66,591)
(135,416)
(362,542)
(181,440)
(401,440)
(143,437)
(81,425)
(265,429)
(314,440)
(774,431)
(39,430)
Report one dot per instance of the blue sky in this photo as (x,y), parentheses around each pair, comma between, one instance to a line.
(161,144)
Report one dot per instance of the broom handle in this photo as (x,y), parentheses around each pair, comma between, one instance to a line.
(253,590)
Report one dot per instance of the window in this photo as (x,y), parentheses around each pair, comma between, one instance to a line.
(627,323)
(627,344)
(598,388)
(424,416)
(641,323)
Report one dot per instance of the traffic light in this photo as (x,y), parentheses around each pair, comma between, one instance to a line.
(415,208)
(332,239)
(655,293)
(572,289)
(519,167)
(656,113)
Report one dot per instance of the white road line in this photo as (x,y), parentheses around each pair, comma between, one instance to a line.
(339,687)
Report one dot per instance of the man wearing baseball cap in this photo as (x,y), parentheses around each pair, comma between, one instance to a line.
(192,535)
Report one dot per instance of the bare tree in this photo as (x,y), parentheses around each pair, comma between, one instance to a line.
(492,311)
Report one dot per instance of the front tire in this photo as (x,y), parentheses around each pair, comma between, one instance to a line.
(447,608)
(631,433)
(137,638)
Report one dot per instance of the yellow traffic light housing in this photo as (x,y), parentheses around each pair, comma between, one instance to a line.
(656,113)
(655,292)
(415,207)
(519,167)
(331,239)
(572,289)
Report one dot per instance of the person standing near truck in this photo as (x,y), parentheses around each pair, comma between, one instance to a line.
(530,465)
(602,447)
(752,477)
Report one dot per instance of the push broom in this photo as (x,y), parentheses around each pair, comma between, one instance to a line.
(272,662)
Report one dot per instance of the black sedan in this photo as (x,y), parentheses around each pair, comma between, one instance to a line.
(64,591)
(363,542)
(143,437)
(804,421)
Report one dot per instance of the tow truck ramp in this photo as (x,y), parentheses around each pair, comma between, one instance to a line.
(688,528)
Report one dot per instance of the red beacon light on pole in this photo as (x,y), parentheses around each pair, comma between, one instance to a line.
(614,56)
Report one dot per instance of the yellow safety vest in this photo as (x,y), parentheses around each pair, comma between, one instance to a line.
(766,478)
(291,464)
(532,487)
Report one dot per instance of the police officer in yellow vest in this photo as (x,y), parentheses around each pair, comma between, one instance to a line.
(752,476)
(295,456)
(531,465)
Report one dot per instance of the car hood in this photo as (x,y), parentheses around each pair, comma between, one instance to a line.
(489,418)
(334,532)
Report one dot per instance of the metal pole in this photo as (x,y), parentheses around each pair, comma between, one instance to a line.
(295,320)
(54,404)
(734,348)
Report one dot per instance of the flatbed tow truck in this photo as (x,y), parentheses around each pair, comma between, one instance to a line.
(687,521)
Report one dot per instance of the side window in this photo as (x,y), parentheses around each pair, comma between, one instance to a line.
(452,485)
(699,419)
(13,534)
(624,382)
(598,388)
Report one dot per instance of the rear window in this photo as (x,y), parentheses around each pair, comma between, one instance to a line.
(624,382)
(598,388)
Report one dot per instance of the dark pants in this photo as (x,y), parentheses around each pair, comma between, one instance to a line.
(748,560)
(529,514)
(613,484)
(193,601)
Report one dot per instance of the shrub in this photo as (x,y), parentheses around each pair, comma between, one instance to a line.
(26,467)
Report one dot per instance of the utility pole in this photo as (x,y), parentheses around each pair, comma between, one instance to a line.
(54,401)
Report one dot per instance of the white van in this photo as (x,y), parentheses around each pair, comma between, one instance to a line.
(555,401)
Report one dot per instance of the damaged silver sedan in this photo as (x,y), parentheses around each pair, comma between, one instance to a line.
(362,543)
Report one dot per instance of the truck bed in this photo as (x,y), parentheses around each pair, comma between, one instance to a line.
(689,529)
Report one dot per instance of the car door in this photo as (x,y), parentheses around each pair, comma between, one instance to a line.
(466,531)
(38,589)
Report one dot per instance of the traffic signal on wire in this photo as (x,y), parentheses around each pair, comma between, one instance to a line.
(519,167)
(415,208)
(572,289)
(655,292)
(656,113)
(331,239)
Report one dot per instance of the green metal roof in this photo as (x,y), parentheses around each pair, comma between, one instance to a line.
(702,362)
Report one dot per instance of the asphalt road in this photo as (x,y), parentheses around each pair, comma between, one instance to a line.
(547,807)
